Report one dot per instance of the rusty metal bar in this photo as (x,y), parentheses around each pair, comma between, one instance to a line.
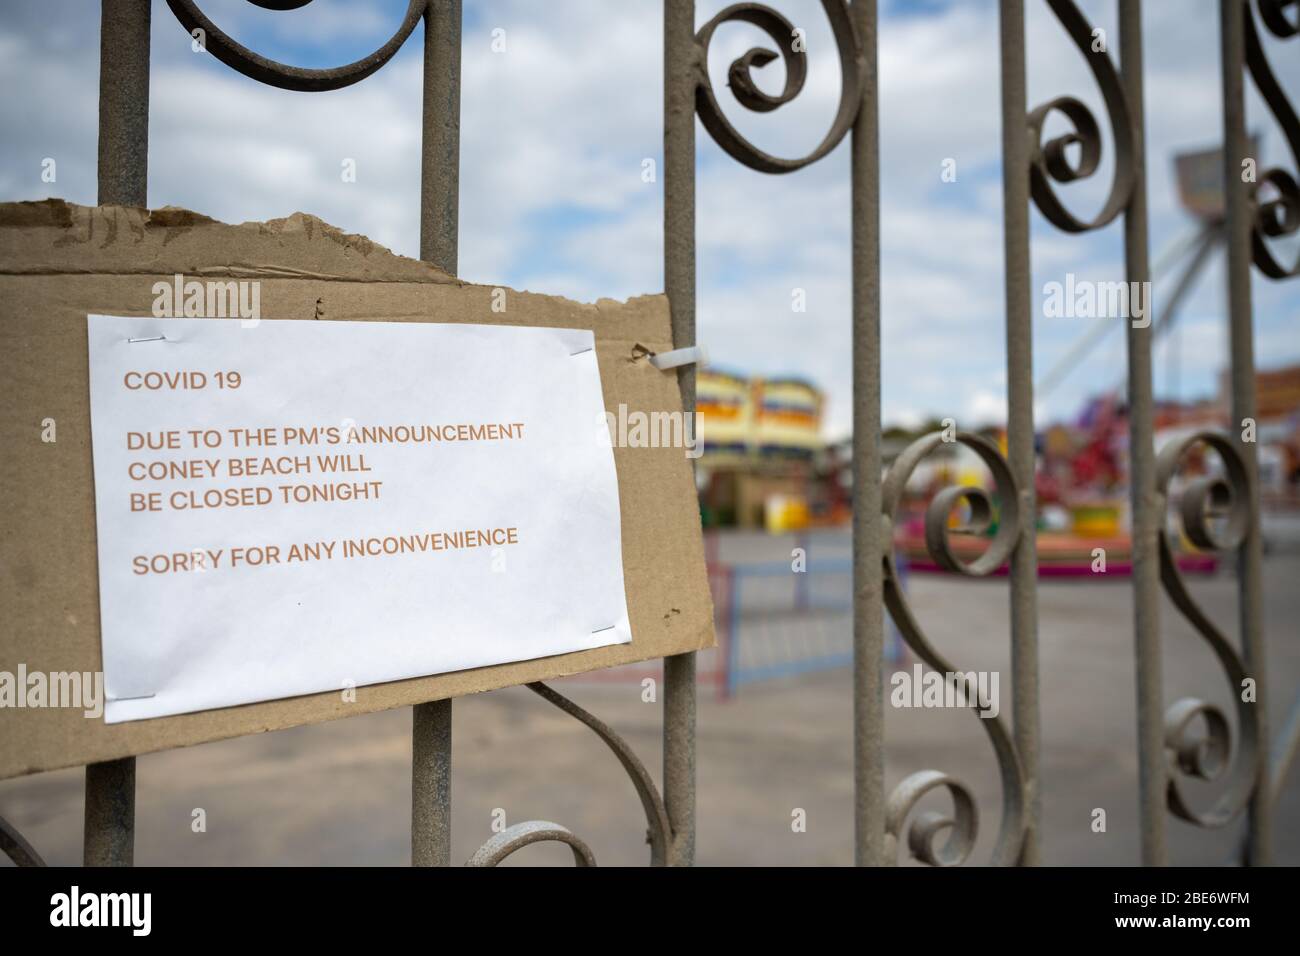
(679,755)
(1240,215)
(440,141)
(1020,409)
(431,784)
(439,243)
(123,174)
(1148,509)
(123,102)
(681,70)
(16,847)
(110,813)
(868,534)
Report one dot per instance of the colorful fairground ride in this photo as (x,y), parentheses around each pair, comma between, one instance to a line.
(761,439)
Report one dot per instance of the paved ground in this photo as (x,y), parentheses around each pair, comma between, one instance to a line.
(338,794)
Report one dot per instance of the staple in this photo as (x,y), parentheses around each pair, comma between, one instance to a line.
(601,630)
(137,697)
(580,351)
(151,338)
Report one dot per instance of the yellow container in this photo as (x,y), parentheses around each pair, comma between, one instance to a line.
(1095,521)
(785,513)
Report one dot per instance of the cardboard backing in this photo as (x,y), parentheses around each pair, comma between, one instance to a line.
(59,262)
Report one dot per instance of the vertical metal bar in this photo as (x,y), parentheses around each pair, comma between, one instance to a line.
(123,102)
(431,784)
(1236,149)
(681,69)
(439,238)
(868,539)
(1020,408)
(123,180)
(679,755)
(440,140)
(1147,510)
(109,838)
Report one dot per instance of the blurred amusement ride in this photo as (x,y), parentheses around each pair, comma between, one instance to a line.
(765,465)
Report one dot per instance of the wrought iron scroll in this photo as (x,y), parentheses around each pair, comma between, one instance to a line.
(1050,161)
(747,93)
(1279,216)
(962,827)
(516,837)
(520,835)
(273,73)
(16,848)
(1214,513)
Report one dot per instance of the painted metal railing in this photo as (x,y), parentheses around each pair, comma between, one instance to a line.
(1031,167)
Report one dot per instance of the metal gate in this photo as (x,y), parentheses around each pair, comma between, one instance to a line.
(1190,737)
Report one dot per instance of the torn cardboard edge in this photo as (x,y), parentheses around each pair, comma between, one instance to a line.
(116,233)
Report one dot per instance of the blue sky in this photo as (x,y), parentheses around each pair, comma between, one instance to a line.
(555,131)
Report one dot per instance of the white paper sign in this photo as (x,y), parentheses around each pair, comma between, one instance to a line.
(308,506)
